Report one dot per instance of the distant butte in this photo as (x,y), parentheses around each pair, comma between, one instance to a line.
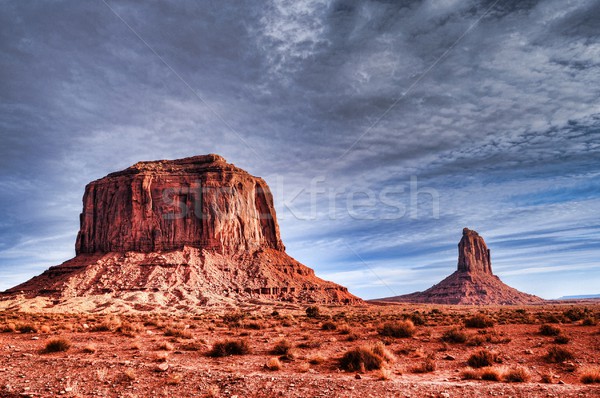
(177,235)
(473,283)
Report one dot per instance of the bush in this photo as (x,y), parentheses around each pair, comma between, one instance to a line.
(558,354)
(590,374)
(364,358)
(57,345)
(479,321)
(229,347)
(312,311)
(482,358)
(428,365)
(589,322)
(549,330)
(470,374)
(282,347)
(398,329)
(561,339)
(574,314)
(328,326)
(454,335)
(517,375)
(273,364)
(490,374)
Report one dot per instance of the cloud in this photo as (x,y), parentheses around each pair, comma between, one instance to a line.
(504,126)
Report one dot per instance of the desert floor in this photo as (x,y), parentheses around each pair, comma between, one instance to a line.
(291,354)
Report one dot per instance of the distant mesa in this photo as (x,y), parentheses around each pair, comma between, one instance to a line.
(473,283)
(177,234)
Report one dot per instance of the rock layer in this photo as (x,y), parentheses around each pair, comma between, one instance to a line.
(472,283)
(176,235)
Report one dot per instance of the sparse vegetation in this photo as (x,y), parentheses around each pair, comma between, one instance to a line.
(313,312)
(558,354)
(282,347)
(273,364)
(398,329)
(365,358)
(590,375)
(454,335)
(490,374)
(427,366)
(57,345)
(517,375)
(549,330)
(482,358)
(229,347)
(328,326)
(479,321)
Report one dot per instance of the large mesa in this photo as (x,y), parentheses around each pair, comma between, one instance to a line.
(177,235)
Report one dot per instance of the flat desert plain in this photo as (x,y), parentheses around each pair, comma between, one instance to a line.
(269,350)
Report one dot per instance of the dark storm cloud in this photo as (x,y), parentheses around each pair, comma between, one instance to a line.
(498,112)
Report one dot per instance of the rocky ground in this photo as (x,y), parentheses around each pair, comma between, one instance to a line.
(157,355)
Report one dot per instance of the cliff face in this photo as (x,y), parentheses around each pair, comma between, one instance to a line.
(473,283)
(176,235)
(200,202)
(473,254)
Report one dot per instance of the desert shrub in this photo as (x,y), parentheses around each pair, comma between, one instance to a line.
(482,358)
(273,364)
(546,378)
(558,354)
(517,375)
(427,366)
(328,326)
(590,374)
(417,318)
(589,321)
(549,330)
(316,359)
(479,321)
(253,325)
(470,374)
(282,347)
(476,340)
(57,345)
(574,314)
(26,327)
(454,335)
(310,344)
(229,347)
(490,374)
(165,346)
(233,318)
(361,358)
(313,311)
(345,329)
(352,337)
(89,349)
(128,329)
(178,331)
(9,327)
(398,329)
(562,339)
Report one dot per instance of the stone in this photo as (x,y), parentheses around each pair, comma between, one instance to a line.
(473,282)
(178,235)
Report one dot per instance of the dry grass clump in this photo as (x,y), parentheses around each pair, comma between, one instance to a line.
(57,345)
(479,321)
(316,359)
(517,375)
(590,374)
(589,321)
(549,330)
(470,374)
(427,366)
(562,339)
(178,331)
(490,374)
(313,311)
(229,347)
(109,324)
(482,358)
(165,346)
(273,364)
(89,349)
(558,354)
(365,358)
(454,335)
(328,326)
(282,347)
(398,329)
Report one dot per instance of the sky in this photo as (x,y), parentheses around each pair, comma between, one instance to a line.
(382,127)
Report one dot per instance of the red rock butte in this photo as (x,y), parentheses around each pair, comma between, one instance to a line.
(472,283)
(177,234)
